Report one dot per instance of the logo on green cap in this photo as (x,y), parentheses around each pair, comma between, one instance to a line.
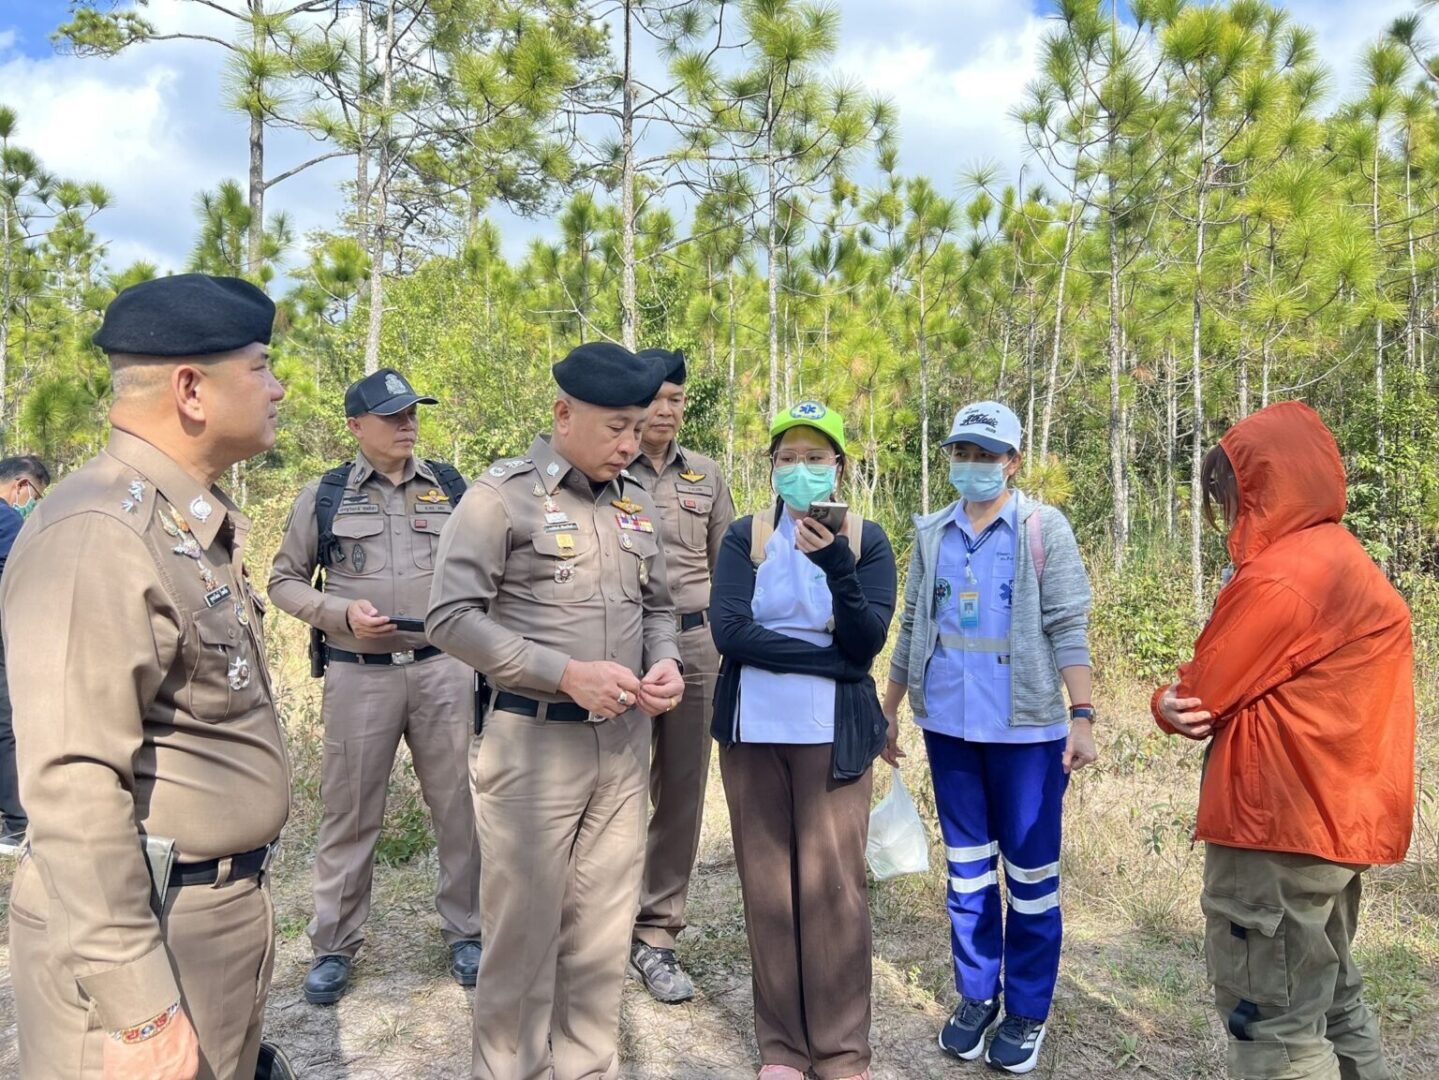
(808,410)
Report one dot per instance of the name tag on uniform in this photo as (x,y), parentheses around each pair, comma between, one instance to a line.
(358,508)
(216,596)
(562,526)
(969,609)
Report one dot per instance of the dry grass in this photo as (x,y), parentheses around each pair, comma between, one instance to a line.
(1132,997)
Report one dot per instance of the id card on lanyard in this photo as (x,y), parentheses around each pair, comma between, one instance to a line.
(969,598)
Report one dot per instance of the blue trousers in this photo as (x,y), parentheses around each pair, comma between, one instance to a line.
(1000,801)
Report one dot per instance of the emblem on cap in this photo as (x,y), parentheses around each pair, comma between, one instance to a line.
(395,385)
(979,419)
(808,410)
(200,509)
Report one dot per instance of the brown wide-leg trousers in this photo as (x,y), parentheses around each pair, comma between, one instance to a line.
(799,839)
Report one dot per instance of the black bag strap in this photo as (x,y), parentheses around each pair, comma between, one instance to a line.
(327,504)
(449,478)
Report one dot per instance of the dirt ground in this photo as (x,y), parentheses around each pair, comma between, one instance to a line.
(1132,998)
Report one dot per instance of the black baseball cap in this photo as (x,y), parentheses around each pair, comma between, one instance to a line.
(384,393)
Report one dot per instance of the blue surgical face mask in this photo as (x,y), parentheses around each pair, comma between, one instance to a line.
(23,509)
(977,481)
(800,485)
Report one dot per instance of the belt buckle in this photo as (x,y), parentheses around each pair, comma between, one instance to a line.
(400,659)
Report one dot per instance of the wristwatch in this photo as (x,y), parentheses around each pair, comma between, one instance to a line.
(1082,712)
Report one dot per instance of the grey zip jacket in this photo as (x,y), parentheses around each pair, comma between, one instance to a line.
(1049,626)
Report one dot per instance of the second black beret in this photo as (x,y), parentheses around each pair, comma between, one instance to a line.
(674,363)
(609,375)
(186,315)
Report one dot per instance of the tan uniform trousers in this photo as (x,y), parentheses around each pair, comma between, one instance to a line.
(1277,942)
(799,839)
(221,944)
(367,710)
(561,814)
(678,775)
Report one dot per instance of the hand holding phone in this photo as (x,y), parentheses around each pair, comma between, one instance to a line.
(408,626)
(829,514)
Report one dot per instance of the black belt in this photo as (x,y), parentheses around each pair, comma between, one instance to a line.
(251,864)
(563,711)
(382,659)
(692,620)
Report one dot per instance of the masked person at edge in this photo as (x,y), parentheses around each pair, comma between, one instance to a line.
(799,614)
(1303,681)
(996,611)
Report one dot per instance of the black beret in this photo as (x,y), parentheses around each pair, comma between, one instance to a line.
(606,374)
(186,315)
(674,363)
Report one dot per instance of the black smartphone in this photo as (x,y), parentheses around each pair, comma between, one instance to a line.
(409,626)
(829,514)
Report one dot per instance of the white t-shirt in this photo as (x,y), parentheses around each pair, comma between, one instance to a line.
(791,597)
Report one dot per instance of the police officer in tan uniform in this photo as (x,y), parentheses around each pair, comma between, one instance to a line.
(694,508)
(144,715)
(551,582)
(382,682)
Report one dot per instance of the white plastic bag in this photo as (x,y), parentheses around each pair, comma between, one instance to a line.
(897,842)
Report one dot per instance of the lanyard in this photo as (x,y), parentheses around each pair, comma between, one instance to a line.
(971,547)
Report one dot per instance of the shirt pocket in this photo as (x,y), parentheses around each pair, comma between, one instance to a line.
(563,574)
(637,561)
(364,547)
(425,538)
(225,678)
(695,504)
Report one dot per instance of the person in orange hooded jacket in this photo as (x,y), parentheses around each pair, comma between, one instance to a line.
(1303,681)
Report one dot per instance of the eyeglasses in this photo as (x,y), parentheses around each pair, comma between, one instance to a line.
(814,457)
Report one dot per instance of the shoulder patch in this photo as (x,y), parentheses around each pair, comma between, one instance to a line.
(507,467)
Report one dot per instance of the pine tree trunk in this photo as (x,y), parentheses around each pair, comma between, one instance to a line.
(1171,437)
(254,259)
(730,381)
(1031,346)
(382,191)
(1119,524)
(362,125)
(772,259)
(1052,382)
(1196,458)
(629,292)
(923,394)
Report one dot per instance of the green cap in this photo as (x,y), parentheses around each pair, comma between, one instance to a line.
(811,414)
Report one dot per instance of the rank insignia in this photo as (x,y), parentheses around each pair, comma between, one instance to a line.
(626,506)
(692,477)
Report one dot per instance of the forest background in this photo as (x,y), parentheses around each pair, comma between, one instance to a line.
(1204,224)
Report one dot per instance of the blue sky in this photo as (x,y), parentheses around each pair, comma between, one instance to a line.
(150,124)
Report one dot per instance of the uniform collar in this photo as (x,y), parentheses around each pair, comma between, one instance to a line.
(196,504)
(674,452)
(553,469)
(363,470)
(1007,514)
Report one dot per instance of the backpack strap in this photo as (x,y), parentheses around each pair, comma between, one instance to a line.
(1036,545)
(327,504)
(762,528)
(853,530)
(449,478)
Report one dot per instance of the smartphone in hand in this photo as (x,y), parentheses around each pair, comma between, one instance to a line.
(829,514)
(409,626)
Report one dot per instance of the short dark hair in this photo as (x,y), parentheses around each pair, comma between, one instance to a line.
(26,465)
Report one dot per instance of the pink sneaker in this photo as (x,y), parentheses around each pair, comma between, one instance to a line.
(779,1072)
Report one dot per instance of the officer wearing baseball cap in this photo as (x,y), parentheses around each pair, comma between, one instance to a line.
(150,753)
(551,582)
(371,528)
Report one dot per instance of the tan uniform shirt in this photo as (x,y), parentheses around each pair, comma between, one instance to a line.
(536,569)
(387,536)
(695,511)
(142,706)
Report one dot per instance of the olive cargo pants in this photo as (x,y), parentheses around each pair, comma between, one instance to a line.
(1277,941)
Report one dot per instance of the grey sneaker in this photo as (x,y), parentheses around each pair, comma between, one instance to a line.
(660,971)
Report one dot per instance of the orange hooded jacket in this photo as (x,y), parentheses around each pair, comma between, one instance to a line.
(1307,663)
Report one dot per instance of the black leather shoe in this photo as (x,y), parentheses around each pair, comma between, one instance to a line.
(465,962)
(328,980)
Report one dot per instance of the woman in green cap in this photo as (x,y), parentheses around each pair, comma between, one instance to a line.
(799,613)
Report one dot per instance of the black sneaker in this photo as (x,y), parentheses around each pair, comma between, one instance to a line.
(660,971)
(1015,1048)
(963,1034)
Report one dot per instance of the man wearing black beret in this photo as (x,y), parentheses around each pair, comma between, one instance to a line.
(151,759)
(694,508)
(551,582)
